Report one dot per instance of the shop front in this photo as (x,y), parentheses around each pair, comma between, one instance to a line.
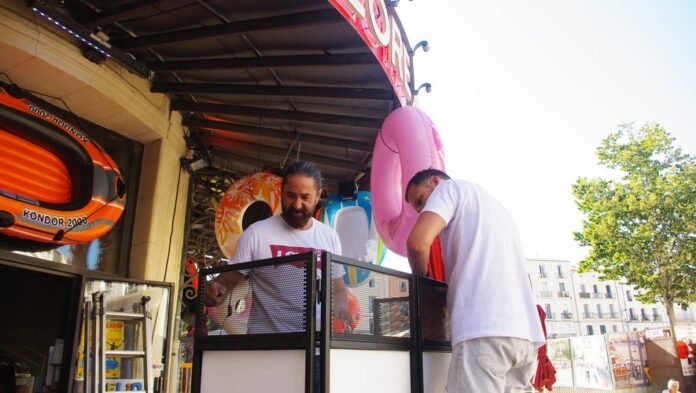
(184,98)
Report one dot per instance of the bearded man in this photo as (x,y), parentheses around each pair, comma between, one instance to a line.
(278,298)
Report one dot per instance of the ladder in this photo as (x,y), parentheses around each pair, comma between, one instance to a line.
(96,349)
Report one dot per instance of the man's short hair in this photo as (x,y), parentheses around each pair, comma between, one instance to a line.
(304,168)
(424,175)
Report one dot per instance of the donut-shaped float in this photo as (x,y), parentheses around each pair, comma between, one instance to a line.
(407,143)
(57,185)
(232,314)
(251,198)
(353,221)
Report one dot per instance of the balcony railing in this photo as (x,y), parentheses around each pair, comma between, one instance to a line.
(613,315)
(644,318)
(589,315)
(550,315)
(657,318)
(567,315)
(600,315)
(584,295)
(543,274)
(546,293)
(560,275)
(597,295)
(563,294)
(632,317)
(610,295)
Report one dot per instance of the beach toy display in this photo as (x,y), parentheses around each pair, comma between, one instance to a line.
(407,143)
(57,185)
(251,198)
(351,217)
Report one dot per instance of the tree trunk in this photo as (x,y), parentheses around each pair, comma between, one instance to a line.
(672,321)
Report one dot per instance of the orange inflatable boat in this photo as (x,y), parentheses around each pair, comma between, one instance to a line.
(57,186)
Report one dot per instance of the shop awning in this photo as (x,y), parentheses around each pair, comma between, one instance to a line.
(258,82)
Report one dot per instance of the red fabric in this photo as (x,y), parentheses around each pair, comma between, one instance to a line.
(436,269)
(682,349)
(545,375)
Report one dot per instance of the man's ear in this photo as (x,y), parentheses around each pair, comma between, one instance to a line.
(435,180)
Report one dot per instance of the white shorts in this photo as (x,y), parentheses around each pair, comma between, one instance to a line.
(491,365)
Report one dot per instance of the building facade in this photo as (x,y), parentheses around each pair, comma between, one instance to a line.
(580,304)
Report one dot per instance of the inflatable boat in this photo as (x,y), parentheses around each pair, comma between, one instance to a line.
(57,185)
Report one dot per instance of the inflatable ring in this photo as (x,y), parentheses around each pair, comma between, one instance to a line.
(407,143)
(57,185)
(232,314)
(249,199)
(353,221)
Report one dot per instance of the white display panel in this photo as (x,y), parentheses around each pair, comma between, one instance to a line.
(435,368)
(370,371)
(253,371)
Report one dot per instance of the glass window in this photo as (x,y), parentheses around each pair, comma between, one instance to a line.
(590,331)
(602,329)
(122,334)
(108,253)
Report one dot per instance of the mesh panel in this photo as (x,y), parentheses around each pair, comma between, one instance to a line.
(375,303)
(261,300)
(432,299)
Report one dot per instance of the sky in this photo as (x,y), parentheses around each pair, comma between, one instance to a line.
(524,92)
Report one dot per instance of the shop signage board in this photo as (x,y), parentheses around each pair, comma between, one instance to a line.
(380,31)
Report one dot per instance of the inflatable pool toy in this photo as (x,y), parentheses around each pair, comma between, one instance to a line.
(232,314)
(57,185)
(352,219)
(251,198)
(407,143)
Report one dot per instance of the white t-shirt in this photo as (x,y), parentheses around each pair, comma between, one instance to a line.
(278,293)
(489,292)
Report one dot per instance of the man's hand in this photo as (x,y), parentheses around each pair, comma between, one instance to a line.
(340,302)
(217,289)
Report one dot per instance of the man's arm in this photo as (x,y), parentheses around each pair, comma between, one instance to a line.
(427,227)
(340,301)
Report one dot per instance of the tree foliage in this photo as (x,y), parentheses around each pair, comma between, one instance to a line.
(641,228)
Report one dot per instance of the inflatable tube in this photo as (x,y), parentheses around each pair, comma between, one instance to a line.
(232,314)
(57,186)
(251,198)
(353,221)
(407,143)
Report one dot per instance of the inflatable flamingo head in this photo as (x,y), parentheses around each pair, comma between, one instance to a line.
(407,143)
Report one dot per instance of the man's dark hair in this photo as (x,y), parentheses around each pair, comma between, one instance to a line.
(424,175)
(304,168)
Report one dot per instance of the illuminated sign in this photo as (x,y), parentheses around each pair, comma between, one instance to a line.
(381,32)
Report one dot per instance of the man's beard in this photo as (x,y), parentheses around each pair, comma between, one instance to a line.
(296,218)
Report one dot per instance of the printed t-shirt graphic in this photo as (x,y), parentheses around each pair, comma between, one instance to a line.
(278,290)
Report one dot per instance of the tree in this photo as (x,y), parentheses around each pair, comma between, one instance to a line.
(641,228)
